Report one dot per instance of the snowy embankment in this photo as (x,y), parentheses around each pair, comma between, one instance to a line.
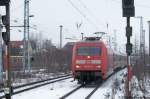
(113,88)
(141,89)
(58,89)
(136,89)
(147,87)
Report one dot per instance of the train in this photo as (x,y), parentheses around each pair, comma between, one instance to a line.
(93,60)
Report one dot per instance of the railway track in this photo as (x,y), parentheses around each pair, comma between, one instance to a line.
(91,92)
(71,92)
(80,88)
(33,85)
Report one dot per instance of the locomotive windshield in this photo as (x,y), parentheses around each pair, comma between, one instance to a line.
(88,51)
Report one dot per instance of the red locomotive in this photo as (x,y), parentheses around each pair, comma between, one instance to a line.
(91,60)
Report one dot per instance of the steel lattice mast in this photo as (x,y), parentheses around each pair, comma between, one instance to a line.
(26,60)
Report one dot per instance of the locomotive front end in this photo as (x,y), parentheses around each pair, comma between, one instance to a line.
(87,62)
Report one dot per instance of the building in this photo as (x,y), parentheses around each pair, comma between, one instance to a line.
(16,55)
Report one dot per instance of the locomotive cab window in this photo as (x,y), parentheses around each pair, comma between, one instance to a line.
(89,51)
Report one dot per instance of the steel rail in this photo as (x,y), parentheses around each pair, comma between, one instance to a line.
(89,96)
(28,84)
(94,90)
(40,85)
(33,85)
(71,92)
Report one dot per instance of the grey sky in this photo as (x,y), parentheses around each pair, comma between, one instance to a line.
(49,14)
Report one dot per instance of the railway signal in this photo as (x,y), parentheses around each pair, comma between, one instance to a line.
(128,11)
(6,38)
(82,34)
(5,35)
(4,2)
(128,8)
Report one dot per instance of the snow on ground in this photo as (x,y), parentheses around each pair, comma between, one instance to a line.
(81,93)
(141,88)
(136,90)
(29,86)
(2,94)
(147,87)
(51,91)
(58,89)
(35,77)
(106,92)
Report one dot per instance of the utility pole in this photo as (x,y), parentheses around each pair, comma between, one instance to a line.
(115,40)
(144,46)
(24,39)
(1,65)
(82,35)
(6,38)
(128,46)
(136,49)
(110,42)
(136,46)
(109,37)
(149,41)
(8,96)
(141,37)
(26,60)
(28,32)
(61,27)
(142,43)
(128,12)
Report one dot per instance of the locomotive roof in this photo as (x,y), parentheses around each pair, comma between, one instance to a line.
(84,41)
(88,42)
(92,39)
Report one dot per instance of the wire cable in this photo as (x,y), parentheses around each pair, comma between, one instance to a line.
(84,16)
(17,7)
(90,12)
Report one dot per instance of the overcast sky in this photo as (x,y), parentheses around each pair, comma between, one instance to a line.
(93,14)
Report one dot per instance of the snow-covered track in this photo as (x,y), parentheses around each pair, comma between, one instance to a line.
(88,97)
(38,85)
(71,92)
(33,85)
(97,87)
(37,82)
(81,87)
(90,92)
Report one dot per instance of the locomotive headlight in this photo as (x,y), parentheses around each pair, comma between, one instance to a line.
(77,66)
(98,66)
(80,61)
(96,61)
